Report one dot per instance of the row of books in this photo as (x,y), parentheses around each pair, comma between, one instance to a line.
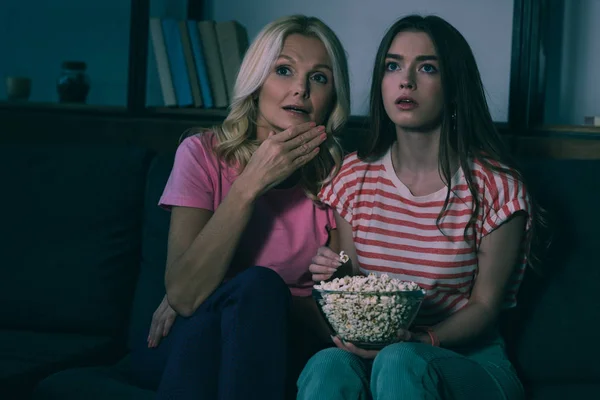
(197,61)
(593,120)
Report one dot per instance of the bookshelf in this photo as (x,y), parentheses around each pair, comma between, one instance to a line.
(137,74)
(161,126)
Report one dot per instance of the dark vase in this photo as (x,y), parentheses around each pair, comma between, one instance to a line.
(73,83)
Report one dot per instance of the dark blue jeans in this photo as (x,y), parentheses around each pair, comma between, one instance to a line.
(233,347)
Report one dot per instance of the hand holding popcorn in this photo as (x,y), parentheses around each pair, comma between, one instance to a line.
(324,264)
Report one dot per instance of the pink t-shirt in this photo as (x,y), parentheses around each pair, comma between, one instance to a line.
(286,227)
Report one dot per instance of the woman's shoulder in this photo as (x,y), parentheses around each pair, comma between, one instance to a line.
(489,170)
(200,143)
(496,179)
(353,164)
(353,171)
(206,140)
(198,149)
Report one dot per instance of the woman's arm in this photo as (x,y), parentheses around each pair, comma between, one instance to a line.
(305,309)
(497,257)
(201,246)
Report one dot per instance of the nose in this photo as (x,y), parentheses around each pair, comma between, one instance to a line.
(407,81)
(301,87)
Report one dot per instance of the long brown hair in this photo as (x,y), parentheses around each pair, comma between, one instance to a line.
(467,128)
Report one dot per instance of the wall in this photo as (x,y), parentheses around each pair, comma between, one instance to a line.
(37,35)
(43,34)
(573,62)
(486,24)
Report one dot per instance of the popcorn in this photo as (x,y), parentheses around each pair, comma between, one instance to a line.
(369,308)
(344,257)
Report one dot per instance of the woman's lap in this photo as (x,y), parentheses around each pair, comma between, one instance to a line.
(411,370)
(148,364)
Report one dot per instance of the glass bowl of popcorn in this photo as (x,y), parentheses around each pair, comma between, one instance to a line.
(368,311)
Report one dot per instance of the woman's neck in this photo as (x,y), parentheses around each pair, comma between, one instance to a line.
(416,151)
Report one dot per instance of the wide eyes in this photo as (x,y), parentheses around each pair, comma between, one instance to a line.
(317,77)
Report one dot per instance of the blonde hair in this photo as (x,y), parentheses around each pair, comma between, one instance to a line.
(237,135)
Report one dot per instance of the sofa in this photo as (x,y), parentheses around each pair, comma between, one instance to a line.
(552,335)
(83,247)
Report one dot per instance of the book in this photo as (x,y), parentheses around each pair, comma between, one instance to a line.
(162,62)
(214,66)
(179,74)
(190,63)
(200,64)
(233,43)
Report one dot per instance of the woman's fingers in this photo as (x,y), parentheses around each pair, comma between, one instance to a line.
(169,320)
(293,132)
(321,269)
(324,264)
(326,261)
(404,335)
(155,333)
(368,354)
(327,252)
(308,146)
(321,272)
(305,137)
(303,160)
(320,277)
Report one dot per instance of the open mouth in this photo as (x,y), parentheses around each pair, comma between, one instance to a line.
(296,109)
(406,101)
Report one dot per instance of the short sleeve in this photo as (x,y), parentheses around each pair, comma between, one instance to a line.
(339,193)
(192,179)
(505,196)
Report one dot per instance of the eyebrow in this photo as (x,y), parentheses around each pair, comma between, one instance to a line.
(418,58)
(314,67)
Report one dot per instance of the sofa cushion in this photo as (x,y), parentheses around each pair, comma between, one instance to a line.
(555,329)
(70,237)
(150,288)
(26,357)
(91,383)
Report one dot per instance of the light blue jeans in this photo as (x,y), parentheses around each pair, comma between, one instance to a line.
(406,371)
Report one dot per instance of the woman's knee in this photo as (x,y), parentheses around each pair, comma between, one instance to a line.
(401,355)
(332,368)
(329,361)
(261,284)
(406,360)
(410,368)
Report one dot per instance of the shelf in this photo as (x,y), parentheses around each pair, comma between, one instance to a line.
(61,107)
(203,115)
(571,131)
(114,112)
(187,112)
(206,115)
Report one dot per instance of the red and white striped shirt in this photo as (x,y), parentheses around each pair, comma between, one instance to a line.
(395,232)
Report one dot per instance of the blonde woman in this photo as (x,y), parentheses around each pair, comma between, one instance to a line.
(245,221)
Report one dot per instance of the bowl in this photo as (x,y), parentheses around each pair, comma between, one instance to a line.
(369,319)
